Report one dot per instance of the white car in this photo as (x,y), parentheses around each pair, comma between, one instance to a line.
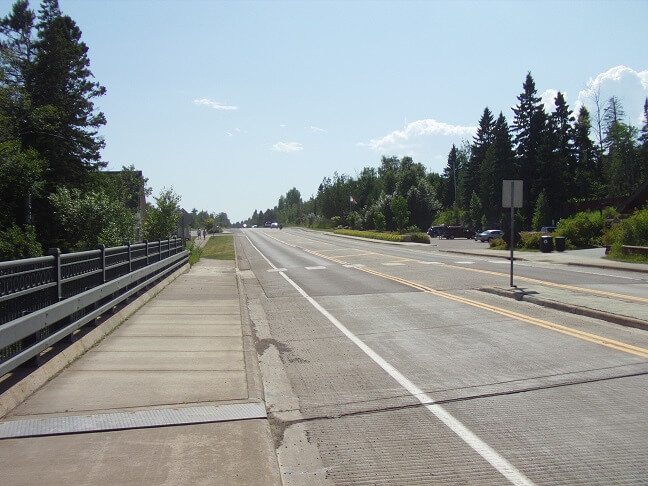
(489,235)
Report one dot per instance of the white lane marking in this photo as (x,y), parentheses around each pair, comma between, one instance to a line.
(432,263)
(393,264)
(315,268)
(508,470)
(275,269)
(507,262)
(354,265)
(465,263)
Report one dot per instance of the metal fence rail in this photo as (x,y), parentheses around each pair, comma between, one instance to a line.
(43,300)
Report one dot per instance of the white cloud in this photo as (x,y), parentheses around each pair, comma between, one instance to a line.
(213,104)
(630,86)
(548,98)
(400,139)
(316,129)
(287,147)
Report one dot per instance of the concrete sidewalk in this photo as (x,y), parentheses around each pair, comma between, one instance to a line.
(172,396)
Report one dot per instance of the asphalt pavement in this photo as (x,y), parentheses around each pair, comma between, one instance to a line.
(172,394)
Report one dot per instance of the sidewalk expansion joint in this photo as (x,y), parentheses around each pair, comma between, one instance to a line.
(78,424)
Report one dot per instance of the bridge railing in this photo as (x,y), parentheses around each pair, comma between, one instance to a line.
(45,299)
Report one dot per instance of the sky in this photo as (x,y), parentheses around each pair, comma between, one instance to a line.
(233,103)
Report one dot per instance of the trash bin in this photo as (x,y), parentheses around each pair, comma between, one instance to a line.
(546,244)
(560,243)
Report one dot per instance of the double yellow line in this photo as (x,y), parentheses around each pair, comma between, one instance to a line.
(586,336)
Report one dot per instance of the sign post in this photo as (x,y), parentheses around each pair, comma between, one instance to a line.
(512,196)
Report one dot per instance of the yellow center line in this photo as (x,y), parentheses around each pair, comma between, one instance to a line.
(593,338)
(526,279)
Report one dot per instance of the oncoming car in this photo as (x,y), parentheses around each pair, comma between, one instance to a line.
(489,235)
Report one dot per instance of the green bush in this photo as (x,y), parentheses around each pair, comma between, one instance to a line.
(631,231)
(419,237)
(415,237)
(17,243)
(498,244)
(529,240)
(583,229)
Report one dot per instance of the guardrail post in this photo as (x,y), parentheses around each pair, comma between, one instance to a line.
(159,250)
(147,252)
(102,247)
(130,256)
(56,253)
(168,247)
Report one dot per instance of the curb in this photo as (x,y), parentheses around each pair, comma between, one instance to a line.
(19,392)
(573,309)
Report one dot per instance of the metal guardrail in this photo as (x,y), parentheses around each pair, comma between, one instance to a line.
(45,299)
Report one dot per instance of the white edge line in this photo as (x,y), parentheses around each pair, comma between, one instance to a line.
(504,467)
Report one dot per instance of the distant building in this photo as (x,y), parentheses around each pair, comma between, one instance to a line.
(184,224)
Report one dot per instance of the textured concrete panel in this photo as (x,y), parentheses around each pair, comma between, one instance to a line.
(105,390)
(193,361)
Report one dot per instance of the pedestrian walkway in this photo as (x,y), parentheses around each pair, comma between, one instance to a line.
(173,396)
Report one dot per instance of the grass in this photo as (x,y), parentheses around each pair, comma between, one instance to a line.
(219,248)
(374,235)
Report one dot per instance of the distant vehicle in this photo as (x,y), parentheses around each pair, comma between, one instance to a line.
(451,232)
(268,224)
(547,229)
(489,235)
(435,231)
(254,226)
(274,225)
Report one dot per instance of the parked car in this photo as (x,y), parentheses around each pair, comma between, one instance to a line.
(547,229)
(435,231)
(451,232)
(489,235)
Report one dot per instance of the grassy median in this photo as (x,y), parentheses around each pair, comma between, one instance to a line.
(219,247)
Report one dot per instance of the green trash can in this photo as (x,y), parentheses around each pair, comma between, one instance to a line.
(560,243)
(546,244)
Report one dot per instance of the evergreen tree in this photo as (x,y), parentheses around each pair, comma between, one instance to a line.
(586,174)
(497,166)
(562,121)
(64,125)
(469,180)
(643,144)
(449,188)
(530,127)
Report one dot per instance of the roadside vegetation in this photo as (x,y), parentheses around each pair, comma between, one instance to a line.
(195,251)
(590,229)
(219,248)
(416,237)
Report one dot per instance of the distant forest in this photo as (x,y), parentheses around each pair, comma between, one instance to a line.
(561,157)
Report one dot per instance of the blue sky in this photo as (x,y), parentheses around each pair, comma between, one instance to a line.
(233,103)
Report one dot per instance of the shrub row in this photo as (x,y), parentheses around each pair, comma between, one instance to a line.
(415,237)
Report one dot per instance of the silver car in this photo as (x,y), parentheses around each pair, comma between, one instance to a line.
(489,235)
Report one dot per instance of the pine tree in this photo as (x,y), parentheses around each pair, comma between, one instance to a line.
(449,190)
(586,175)
(470,175)
(562,122)
(64,128)
(643,144)
(530,128)
(498,165)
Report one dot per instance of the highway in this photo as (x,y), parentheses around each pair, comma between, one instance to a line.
(387,364)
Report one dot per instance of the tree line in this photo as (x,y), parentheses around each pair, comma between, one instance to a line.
(561,157)
(53,191)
